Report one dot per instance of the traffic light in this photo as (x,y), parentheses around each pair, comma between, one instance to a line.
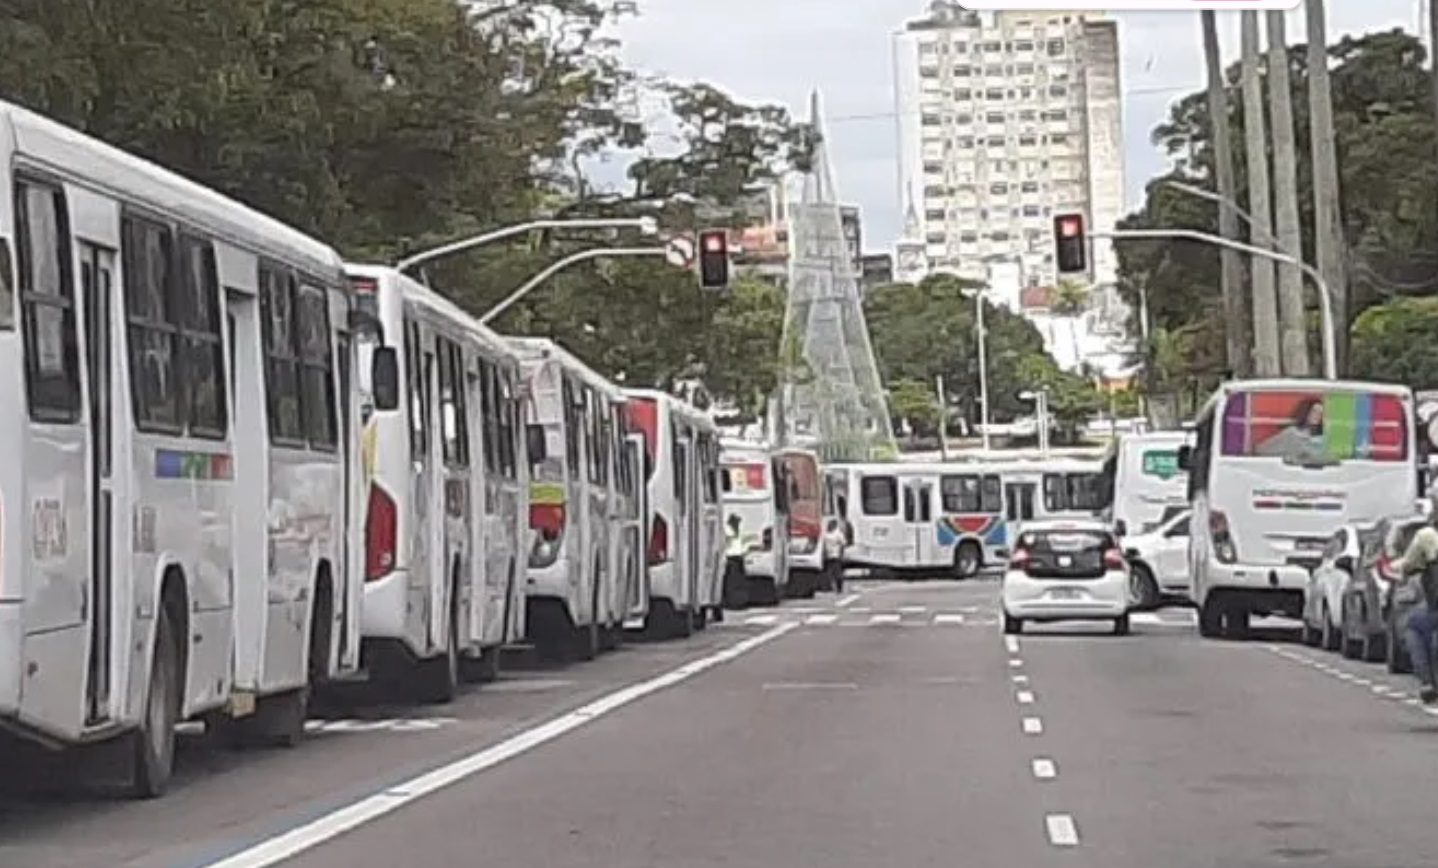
(1070,245)
(714,259)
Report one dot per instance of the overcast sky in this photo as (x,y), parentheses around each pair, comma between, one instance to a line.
(778,50)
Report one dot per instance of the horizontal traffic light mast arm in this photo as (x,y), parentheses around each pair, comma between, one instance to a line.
(1325,296)
(646,225)
(572,259)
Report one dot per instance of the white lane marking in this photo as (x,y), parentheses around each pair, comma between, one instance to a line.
(1428,709)
(1021,679)
(1012,644)
(828,618)
(913,610)
(287,844)
(944,618)
(1044,769)
(810,685)
(861,609)
(1025,697)
(1382,689)
(1062,831)
(1015,663)
(1033,726)
(885,618)
(761,620)
(805,610)
(845,602)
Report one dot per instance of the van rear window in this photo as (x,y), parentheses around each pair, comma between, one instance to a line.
(880,495)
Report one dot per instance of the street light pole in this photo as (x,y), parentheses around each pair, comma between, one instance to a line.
(983,369)
(572,259)
(646,225)
(1325,296)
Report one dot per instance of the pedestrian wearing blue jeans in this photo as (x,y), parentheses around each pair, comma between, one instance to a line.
(1419,569)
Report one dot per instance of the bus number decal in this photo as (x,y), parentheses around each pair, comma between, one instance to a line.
(47,529)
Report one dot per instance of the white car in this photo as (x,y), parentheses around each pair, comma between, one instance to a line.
(1158,561)
(1327,584)
(1066,571)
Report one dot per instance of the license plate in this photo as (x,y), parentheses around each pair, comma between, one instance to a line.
(1066,561)
(1065,593)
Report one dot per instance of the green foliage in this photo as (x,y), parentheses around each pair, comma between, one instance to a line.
(389,126)
(1394,342)
(1388,178)
(914,402)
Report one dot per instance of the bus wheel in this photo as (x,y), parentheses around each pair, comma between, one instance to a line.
(153,758)
(438,680)
(586,638)
(482,669)
(967,560)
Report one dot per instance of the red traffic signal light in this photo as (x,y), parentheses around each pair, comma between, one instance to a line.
(714,259)
(1070,243)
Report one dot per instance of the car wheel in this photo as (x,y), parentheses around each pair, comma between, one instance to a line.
(1012,625)
(1143,588)
(1374,647)
(1120,625)
(1332,638)
(1311,635)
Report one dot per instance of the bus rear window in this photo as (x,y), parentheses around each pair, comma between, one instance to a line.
(643,417)
(880,495)
(745,478)
(1314,426)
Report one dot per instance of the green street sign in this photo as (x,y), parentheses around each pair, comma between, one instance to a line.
(1164,465)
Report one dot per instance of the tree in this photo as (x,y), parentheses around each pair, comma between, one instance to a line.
(1071,300)
(914,402)
(1393,342)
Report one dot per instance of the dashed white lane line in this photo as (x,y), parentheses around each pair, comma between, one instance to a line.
(1016,663)
(913,610)
(822,619)
(884,618)
(301,838)
(846,602)
(761,620)
(1044,769)
(810,685)
(1012,644)
(861,609)
(1062,831)
(1033,726)
(1021,679)
(942,618)
(1025,697)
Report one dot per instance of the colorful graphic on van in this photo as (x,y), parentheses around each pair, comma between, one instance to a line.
(1316,426)
(989,528)
(174,464)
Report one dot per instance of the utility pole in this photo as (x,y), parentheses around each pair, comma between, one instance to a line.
(1235,315)
(1292,326)
(1327,221)
(943,419)
(1266,359)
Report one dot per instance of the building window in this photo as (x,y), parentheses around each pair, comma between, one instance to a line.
(1029,187)
(936,238)
(994,117)
(933,168)
(1056,115)
(996,141)
(1028,141)
(934,215)
(993,47)
(1056,47)
(930,120)
(964,142)
(934,191)
(969,237)
(929,72)
(1024,69)
(1058,90)
(1024,45)
(1058,139)
(994,71)
(963,71)
(963,94)
(961,48)
(997,167)
(994,93)
(963,119)
(1000,235)
(999,189)
(1028,115)
(1031,210)
(47,293)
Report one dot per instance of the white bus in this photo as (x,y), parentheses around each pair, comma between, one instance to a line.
(578,601)
(173,373)
(934,518)
(1276,467)
(445,489)
(1142,482)
(685,548)
(1045,489)
(754,496)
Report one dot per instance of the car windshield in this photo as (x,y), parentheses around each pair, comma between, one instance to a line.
(1064,541)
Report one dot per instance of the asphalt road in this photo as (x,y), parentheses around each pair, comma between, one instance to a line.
(894,726)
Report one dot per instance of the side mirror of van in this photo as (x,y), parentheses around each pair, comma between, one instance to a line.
(384,377)
(534,443)
(1185,458)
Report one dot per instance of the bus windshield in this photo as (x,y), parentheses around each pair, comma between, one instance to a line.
(1315,427)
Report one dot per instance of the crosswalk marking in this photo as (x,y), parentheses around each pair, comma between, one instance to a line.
(918,616)
(884,618)
(821,619)
(761,620)
(943,618)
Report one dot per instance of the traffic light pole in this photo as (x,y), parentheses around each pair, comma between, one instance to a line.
(1325,294)
(646,225)
(555,268)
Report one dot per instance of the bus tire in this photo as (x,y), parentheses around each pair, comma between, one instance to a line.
(586,639)
(438,677)
(482,669)
(700,618)
(153,744)
(1210,616)
(968,559)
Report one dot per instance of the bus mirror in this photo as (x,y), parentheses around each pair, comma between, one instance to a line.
(384,375)
(1120,528)
(534,443)
(1185,458)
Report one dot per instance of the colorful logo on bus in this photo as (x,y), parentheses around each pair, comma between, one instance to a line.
(989,528)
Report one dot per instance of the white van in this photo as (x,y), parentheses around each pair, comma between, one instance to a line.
(1142,482)
(1276,467)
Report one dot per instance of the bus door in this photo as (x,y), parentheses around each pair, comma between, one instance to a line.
(97,281)
(1019,500)
(633,530)
(918,520)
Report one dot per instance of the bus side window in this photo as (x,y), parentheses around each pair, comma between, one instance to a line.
(47,298)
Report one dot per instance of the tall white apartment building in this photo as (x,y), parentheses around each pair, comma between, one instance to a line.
(1006,119)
